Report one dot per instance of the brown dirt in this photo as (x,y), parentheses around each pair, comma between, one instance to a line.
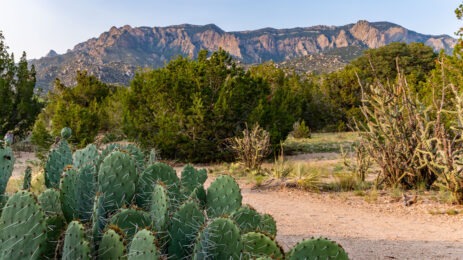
(386,230)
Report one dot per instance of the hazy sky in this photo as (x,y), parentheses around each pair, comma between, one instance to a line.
(36,26)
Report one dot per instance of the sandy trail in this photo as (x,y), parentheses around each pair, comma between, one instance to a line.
(366,231)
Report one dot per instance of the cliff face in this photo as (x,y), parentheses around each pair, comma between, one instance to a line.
(116,54)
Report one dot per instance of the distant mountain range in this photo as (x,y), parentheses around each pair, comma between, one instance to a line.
(116,54)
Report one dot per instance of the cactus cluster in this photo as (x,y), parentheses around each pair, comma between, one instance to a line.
(119,207)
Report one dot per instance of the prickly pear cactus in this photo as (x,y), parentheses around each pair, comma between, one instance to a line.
(184,226)
(137,156)
(259,245)
(317,248)
(117,179)
(50,202)
(69,193)
(66,133)
(192,178)
(75,244)
(27,178)
(112,245)
(22,228)
(57,160)
(268,226)
(159,209)
(130,221)
(99,219)
(86,188)
(158,172)
(220,239)
(87,156)
(199,194)
(143,246)
(247,219)
(6,167)
(223,197)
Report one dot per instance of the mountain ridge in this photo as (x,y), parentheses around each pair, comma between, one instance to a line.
(115,55)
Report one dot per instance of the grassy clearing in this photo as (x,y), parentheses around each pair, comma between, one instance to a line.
(321,143)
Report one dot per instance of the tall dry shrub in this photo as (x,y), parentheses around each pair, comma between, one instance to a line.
(252,148)
(390,133)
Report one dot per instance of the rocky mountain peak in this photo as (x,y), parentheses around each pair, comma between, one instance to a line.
(117,53)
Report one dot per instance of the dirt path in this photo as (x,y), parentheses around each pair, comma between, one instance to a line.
(366,231)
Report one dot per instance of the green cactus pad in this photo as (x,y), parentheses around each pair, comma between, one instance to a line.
(27,178)
(117,178)
(130,221)
(223,196)
(56,225)
(185,224)
(50,202)
(57,160)
(99,219)
(143,246)
(109,149)
(112,245)
(247,219)
(192,178)
(86,156)
(159,209)
(220,239)
(268,226)
(137,155)
(86,188)
(199,194)
(66,133)
(69,194)
(259,245)
(6,167)
(318,248)
(75,244)
(23,228)
(158,172)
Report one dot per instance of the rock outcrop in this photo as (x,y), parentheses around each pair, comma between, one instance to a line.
(116,54)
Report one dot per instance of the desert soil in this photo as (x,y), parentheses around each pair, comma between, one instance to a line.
(383,229)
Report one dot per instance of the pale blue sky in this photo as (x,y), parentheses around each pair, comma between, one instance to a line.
(36,26)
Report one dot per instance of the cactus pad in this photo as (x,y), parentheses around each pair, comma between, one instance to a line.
(75,244)
(117,178)
(260,245)
(23,228)
(27,178)
(86,156)
(66,133)
(130,221)
(219,240)
(159,209)
(6,167)
(318,248)
(112,245)
(192,178)
(143,246)
(56,162)
(158,172)
(223,197)
(185,224)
